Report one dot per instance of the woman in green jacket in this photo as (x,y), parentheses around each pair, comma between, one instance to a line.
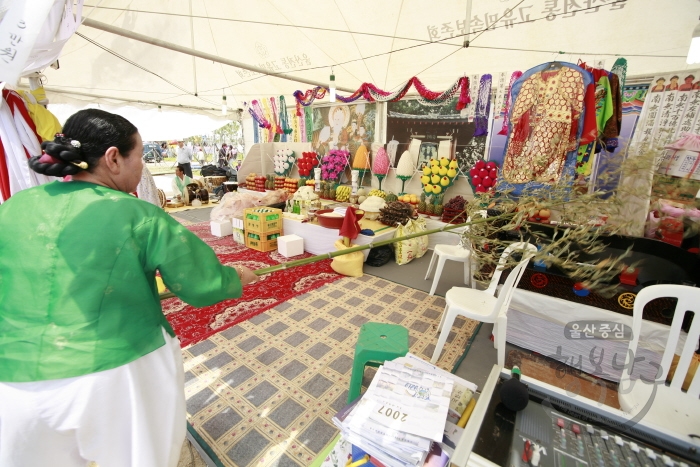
(90,369)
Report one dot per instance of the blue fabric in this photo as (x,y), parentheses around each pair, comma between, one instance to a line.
(570,164)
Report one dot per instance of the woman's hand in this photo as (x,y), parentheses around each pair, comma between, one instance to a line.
(247,276)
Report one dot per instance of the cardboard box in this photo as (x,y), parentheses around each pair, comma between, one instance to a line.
(290,245)
(221,228)
(263,219)
(264,242)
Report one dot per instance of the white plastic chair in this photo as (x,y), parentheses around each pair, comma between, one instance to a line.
(443,252)
(665,406)
(483,305)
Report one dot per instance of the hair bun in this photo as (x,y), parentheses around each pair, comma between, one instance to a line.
(67,152)
(55,169)
(69,155)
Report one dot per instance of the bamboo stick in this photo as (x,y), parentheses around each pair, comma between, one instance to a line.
(333,254)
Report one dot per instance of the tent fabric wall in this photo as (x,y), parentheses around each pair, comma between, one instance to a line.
(307,38)
(152,124)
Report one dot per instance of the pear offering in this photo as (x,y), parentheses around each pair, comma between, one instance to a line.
(438,175)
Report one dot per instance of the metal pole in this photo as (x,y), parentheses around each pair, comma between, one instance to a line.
(125,99)
(169,45)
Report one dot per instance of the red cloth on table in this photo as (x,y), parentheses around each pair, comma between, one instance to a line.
(351,227)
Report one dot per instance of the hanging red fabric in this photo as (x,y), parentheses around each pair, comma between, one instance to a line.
(4,176)
(590,125)
(17,103)
(371,93)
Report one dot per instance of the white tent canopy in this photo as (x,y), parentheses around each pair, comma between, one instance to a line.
(355,39)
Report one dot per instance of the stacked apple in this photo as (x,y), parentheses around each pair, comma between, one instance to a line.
(260,182)
(290,184)
(438,175)
(250,181)
(483,176)
(306,164)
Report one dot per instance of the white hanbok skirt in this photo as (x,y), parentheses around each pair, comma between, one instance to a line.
(130,416)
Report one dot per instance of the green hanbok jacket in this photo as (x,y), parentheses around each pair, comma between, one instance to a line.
(77,279)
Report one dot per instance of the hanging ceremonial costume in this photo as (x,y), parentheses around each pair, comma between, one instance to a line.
(608,110)
(509,102)
(548,121)
(476,146)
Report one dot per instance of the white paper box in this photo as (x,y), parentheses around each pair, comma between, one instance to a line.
(237,223)
(221,228)
(290,245)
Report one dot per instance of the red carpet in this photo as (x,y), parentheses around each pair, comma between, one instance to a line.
(195,324)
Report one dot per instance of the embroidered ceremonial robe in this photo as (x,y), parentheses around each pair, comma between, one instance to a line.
(545,120)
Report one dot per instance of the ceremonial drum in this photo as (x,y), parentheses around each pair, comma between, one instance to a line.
(162,198)
(195,191)
(215,181)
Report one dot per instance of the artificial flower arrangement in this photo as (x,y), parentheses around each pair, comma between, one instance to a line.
(306,164)
(483,176)
(405,170)
(283,161)
(380,165)
(361,162)
(333,165)
(439,175)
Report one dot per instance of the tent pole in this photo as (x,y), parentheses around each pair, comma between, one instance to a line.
(169,45)
(124,99)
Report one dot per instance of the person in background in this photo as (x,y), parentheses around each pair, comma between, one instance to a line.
(223,156)
(184,158)
(91,371)
(147,189)
(179,184)
(164,150)
(200,156)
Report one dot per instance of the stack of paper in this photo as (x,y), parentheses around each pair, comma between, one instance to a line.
(462,390)
(402,417)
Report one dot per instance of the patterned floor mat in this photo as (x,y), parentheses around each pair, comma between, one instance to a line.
(195,324)
(263,392)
